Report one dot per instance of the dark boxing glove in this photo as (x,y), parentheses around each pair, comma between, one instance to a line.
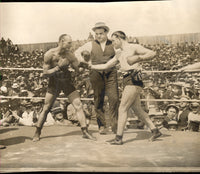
(86,55)
(63,63)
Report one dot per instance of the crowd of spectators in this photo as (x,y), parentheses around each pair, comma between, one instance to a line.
(29,83)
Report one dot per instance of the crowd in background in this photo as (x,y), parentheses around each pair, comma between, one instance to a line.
(29,83)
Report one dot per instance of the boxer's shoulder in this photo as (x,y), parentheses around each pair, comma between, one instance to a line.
(50,54)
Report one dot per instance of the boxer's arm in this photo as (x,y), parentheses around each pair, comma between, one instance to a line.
(75,65)
(191,67)
(74,62)
(47,70)
(142,54)
(111,63)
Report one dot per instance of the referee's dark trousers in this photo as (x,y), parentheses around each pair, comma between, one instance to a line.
(105,83)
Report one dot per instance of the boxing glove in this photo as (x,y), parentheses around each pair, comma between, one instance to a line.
(86,55)
(63,63)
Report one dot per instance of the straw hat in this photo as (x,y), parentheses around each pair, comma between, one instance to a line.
(100,25)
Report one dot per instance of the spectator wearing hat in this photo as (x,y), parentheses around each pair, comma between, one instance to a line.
(100,51)
(184,111)
(177,90)
(170,121)
(194,117)
(157,118)
(27,116)
(4,90)
(6,119)
(37,108)
(166,94)
(12,106)
(15,89)
(58,114)
(197,90)
(188,91)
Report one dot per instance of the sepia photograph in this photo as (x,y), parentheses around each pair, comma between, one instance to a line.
(100,87)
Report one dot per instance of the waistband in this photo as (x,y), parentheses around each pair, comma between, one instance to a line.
(106,71)
(126,73)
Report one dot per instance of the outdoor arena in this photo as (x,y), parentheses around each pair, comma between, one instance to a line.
(62,148)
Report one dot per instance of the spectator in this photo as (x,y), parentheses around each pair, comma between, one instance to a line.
(4,90)
(27,116)
(184,110)
(58,114)
(194,117)
(37,104)
(30,114)
(15,89)
(169,56)
(13,106)
(170,121)
(6,120)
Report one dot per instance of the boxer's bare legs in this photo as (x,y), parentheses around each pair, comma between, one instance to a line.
(131,97)
(49,100)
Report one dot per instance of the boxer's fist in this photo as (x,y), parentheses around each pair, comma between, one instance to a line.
(86,55)
(63,63)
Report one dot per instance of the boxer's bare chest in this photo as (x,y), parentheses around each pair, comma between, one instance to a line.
(56,58)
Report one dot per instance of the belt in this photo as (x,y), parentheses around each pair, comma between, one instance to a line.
(133,73)
(126,73)
(105,71)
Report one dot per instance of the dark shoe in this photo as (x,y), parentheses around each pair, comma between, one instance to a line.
(36,137)
(2,147)
(156,133)
(88,136)
(116,142)
(103,130)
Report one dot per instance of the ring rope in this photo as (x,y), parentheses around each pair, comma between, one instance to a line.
(159,100)
(22,69)
(143,71)
(153,71)
(16,97)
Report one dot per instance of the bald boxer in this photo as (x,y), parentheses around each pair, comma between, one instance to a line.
(56,66)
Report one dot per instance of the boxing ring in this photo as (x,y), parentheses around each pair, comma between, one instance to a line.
(61,148)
